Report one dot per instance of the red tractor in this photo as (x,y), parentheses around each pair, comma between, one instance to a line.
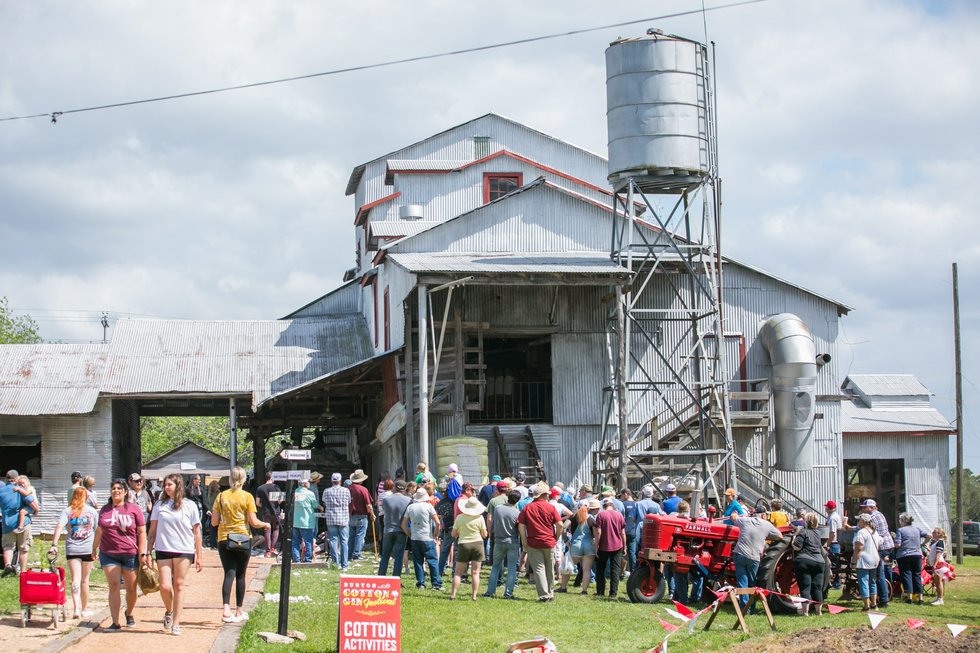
(683,543)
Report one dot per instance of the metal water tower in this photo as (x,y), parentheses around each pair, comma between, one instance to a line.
(668,398)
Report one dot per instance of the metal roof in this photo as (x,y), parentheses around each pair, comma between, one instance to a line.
(885,385)
(358,171)
(400,228)
(426,165)
(260,357)
(50,379)
(858,418)
(543,262)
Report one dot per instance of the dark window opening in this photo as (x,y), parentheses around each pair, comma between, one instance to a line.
(498,185)
(22,453)
(518,380)
(881,480)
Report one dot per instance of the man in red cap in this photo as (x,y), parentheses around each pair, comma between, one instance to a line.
(834,523)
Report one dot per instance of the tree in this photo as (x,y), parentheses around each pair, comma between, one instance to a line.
(159,435)
(971,495)
(17,329)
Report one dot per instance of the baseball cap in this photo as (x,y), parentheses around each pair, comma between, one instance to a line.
(75,475)
(830,504)
(335,477)
(555,493)
(670,487)
(869,503)
(495,478)
(730,492)
(135,477)
(647,491)
(453,467)
(864,518)
(520,477)
(503,485)
(607,501)
(399,485)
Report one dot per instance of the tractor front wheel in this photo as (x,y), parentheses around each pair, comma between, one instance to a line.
(646,585)
(777,574)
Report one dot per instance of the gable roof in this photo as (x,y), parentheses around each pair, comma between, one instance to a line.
(358,171)
(890,403)
(204,460)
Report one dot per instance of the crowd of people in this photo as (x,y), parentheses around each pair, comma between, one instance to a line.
(555,537)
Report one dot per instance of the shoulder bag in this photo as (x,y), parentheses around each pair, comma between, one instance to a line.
(235,541)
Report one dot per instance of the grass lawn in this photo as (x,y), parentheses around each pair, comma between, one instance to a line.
(431,623)
(10,586)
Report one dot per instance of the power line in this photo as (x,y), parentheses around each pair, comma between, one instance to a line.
(54,115)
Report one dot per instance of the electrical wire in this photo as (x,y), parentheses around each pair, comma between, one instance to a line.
(55,115)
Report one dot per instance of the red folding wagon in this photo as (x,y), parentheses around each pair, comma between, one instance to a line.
(43,588)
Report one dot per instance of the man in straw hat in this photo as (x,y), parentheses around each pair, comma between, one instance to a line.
(418,523)
(539,527)
(360,513)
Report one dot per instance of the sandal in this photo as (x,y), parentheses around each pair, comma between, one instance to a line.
(228,618)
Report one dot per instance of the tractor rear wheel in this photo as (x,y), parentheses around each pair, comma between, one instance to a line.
(646,585)
(777,574)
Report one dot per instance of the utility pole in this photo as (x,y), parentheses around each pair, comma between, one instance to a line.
(105,326)
(958,535)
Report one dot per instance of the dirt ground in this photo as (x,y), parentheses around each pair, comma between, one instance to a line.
(865,640)
(201,622)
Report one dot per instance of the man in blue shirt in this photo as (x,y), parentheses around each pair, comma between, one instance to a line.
(670,503)
(11,502)
(734,508)
(305,505)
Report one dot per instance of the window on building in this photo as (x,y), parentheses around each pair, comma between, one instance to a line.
(518,380)
(23,453)
(499,184)
(481,146)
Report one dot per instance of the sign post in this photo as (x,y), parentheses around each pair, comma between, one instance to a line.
(290,476)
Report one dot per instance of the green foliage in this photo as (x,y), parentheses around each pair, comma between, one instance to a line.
(971,495)
(161,434)
(17,329)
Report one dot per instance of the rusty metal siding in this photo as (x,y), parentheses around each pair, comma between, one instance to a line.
(50,379)
(926,465)
(68,442)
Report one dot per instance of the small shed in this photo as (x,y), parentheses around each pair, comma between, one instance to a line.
(187,459)
(896,449)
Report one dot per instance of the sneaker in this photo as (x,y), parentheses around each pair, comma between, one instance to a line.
(241,618)
(420,586)
(176,630)
(228,618)
(937,602)
(76,615)
(87,613)
(114,628)
(487,595)
(130,621)
(168,620)
(437,588)
(561,590)
(510,596)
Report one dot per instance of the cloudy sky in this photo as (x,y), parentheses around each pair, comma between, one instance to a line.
(848,144)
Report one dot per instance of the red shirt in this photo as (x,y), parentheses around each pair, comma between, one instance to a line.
(539,517)
(612,524)
(360,499)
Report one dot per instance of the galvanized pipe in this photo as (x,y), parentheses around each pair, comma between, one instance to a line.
(794,387)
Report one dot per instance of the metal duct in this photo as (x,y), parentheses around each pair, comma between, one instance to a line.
(794,387)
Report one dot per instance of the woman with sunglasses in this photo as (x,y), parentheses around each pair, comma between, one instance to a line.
(175,534)
(120,543)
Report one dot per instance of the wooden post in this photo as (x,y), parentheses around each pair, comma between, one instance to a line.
(958,534)
(459,388)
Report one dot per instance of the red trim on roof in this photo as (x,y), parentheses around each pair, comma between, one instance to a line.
(513,155)
(379,257)
(362,212)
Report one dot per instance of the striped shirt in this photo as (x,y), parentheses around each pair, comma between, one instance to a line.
(881,527)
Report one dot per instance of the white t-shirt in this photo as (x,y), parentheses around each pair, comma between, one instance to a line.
(835,523)
(175,528)
(869,554)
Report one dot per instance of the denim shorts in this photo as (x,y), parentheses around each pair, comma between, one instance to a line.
(582,549)
(125,560)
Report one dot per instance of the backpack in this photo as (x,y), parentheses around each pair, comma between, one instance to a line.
(454,489)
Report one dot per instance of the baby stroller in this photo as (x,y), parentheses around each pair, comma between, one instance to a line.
(39,587)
